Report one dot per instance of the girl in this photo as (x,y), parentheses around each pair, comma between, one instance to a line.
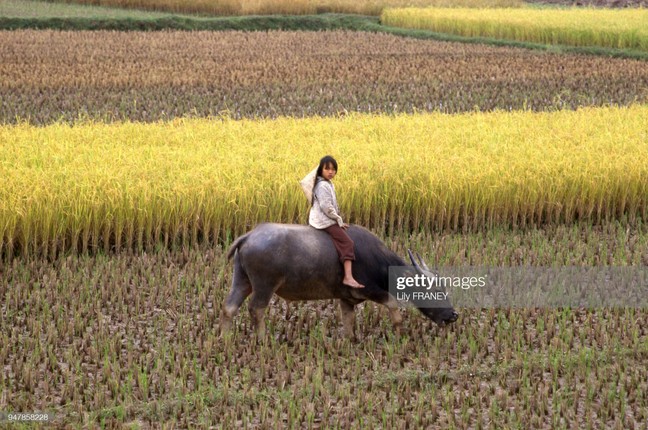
(325,215)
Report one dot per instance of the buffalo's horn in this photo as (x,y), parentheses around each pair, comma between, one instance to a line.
(422,262)
(414,261)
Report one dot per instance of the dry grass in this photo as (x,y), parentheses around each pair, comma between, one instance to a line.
(288,7)
(151,76)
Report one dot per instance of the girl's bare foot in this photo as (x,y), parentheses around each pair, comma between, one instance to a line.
(352,283)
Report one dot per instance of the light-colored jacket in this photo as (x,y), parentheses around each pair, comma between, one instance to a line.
(325,211)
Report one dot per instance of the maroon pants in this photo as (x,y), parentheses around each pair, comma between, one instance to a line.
(342,241)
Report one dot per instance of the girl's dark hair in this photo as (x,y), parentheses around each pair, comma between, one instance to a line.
(325,161)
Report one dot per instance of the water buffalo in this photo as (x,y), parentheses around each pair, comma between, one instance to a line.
(299,262)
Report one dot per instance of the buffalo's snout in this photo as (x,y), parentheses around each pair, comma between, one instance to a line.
(441,316)
(448,318)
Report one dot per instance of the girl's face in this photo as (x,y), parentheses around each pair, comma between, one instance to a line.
(329,172)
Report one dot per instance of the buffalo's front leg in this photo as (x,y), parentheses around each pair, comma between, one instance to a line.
(384,298)
(347,311)
(394,314)
(287,316)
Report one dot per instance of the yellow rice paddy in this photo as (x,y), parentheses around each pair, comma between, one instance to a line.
(611,28)
(109,186)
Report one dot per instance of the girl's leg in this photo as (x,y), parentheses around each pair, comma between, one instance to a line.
(344,247)
(349,280)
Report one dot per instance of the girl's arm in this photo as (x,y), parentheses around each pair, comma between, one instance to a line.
(326,202)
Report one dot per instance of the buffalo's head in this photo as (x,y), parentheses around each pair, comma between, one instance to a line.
(442,313)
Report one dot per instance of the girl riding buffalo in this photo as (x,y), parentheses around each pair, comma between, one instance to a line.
(325,215)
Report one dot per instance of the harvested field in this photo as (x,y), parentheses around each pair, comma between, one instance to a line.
(47,76)
(133,340)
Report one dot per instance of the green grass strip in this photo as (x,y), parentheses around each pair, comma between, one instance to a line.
(291,23)
(243,23)
(53,9)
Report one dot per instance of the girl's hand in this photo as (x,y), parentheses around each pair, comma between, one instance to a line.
(344,225)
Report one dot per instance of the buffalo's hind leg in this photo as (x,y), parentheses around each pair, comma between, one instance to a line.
(258,303)
(241,288)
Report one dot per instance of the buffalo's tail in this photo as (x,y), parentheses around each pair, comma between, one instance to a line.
(237,243)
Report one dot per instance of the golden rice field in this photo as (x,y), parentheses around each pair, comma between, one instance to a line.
(623,29)
(96,186)
(289,7)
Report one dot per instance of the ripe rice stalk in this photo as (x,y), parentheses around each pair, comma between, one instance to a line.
(194,181)
(621,29)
